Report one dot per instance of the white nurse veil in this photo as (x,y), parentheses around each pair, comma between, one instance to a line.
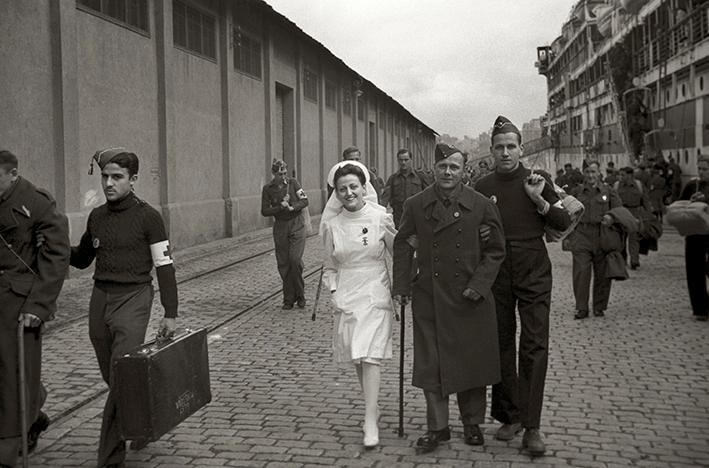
(333,205)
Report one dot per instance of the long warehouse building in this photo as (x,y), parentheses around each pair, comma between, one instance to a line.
(206,92)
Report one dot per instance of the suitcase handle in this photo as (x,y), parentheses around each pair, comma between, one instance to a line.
(161,341)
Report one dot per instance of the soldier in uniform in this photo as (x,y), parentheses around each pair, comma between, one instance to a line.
(401,185)
(454,322)
(31,275)
(572,178)
(284,199)
(527,203)
(588,256)
(127,237)
(634,197)
(696,247)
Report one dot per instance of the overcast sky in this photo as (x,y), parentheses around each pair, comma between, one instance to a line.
(454,64)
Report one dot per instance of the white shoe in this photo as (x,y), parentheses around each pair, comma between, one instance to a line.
(371,437)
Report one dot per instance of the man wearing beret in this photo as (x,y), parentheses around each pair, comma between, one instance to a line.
(454,322)
(31,276)
(284,199)
(527,202)
(127,237)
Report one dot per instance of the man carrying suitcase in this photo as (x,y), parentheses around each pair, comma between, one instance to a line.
(127,238)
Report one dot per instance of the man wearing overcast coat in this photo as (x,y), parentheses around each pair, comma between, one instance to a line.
(454,322)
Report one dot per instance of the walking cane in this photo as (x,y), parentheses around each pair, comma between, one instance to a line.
(317,295)
(400,432)
(23,393)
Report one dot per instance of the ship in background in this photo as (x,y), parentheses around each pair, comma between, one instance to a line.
(627,81)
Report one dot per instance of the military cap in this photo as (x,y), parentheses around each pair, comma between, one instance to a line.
(104,156)
(503,125)
(443,150)
(278,165)
(349,150)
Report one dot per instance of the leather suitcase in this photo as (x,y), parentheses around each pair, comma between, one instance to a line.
(160,384)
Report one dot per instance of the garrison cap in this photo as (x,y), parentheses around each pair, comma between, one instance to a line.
(104,156)
(503,125)
(443,150)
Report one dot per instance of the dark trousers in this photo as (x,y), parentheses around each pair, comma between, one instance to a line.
(10,445)
(523,283)
(634,248)
(696,261)
(589,259)
(289,238)
(471,404)
(117,323)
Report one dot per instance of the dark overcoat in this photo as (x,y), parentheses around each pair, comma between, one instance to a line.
(455,339)
(25,212)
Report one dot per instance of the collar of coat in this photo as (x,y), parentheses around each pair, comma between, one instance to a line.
(465,196)
(464,199)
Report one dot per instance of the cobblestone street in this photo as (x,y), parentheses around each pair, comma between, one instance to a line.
(627,389)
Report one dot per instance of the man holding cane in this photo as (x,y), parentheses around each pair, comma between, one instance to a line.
(454,322)
(31,276)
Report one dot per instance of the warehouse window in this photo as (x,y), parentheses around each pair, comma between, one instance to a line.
(247,54)
(360,109)
(193,30)
(330,95)
(310,85)
(382,120)
(132,13)
(346,102)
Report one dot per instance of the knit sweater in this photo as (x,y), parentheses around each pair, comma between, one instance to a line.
(119,235)
(520,218)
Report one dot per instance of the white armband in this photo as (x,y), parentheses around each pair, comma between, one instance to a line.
(161,253)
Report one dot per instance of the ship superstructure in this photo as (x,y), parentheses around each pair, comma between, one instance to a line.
(627,81)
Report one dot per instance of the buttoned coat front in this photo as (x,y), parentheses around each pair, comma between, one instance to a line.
(455,339)
(31,277)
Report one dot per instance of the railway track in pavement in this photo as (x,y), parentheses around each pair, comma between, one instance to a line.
(71,375)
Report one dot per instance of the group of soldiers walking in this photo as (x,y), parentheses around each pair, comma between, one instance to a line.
(470,262)
(480,259)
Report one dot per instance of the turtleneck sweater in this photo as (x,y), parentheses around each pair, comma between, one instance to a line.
(119,235)
(520,218)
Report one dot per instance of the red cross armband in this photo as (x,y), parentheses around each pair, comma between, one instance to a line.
(161,253)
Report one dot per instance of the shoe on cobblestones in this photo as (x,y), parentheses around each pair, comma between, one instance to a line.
(508,431)
(430,440)
(371,437)
(41,424)
(580,314)
(472,435)
(701,318)
(532,441)
(634,266)
(598,313)
(301,302)
(287,306)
